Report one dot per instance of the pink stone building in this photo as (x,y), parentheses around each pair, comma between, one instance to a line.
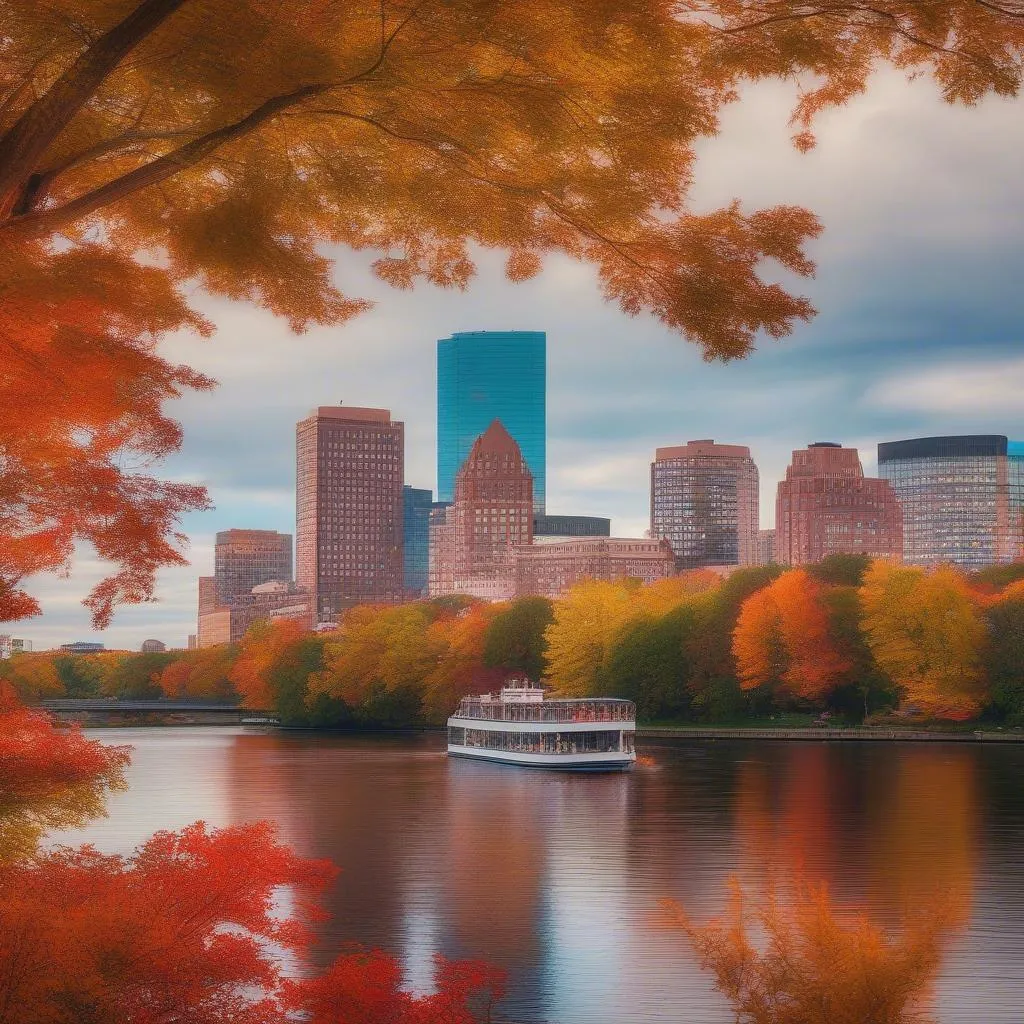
(473,541)
(826,506)
(350,469)
(549,570)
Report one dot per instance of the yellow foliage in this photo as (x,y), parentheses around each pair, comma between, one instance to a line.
(926,632)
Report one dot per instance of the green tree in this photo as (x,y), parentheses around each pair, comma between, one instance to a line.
(648,664)
(137,676)
(515,637)
(841,570)
(79,675)
(1004,659)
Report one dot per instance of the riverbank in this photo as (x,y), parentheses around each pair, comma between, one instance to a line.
(852,733)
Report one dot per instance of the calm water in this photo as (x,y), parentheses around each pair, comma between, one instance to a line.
(558,877)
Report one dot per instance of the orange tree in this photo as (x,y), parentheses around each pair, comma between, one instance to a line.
(139,153)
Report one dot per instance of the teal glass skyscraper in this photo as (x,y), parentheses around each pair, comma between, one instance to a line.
(487,375)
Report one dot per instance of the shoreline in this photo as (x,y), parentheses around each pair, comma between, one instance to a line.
(852,734)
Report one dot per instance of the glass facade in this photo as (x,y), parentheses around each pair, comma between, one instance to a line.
(704,502)
(962,498)
(488,375)
(416,505)
(570,526)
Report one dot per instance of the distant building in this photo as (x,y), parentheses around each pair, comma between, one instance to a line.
(193,641)
(765,547)
(82,647)
(13,645)
(547,528)
(244,559)
(962,498)
(704,501)
(487,375)
(229,623)
(550,569)
(153,646)
(826,506)
(416,505)
(491,516)
(350,468)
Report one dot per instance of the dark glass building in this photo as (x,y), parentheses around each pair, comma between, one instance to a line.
(483,376)
(416,505)
(962,498)
(560,527)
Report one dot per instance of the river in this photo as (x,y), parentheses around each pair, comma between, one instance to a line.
(559,878)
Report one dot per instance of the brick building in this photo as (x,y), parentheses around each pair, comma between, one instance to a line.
(349,515)
(826,506)
(474,544)
(243,559)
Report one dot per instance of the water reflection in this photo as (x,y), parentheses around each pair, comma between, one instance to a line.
(559,878)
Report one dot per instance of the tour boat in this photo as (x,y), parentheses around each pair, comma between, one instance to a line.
(519,726)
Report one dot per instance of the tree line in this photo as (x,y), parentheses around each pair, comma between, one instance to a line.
(848,636)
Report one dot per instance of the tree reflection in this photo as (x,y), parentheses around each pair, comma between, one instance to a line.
(49,778)
(796,959)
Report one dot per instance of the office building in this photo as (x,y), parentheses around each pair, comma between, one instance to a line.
(228,623)
(244,559)
(548,529)
(153,647)
(491,517)
(962,498)
(550,569)
(826,506)
(416,505)
(350,469)
(765,547)
(483,376)
(704,502)
(82,647)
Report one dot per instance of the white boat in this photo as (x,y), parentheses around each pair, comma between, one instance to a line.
(519,726)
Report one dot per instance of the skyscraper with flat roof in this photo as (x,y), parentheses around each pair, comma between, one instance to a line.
(962,498)
(483,376)
(704,502)
(348,522)
(416,505)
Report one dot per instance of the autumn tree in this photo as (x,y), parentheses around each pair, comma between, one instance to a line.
(782,639)
(203,673)
(926,633)
(49,778)
(138,152)
(795,958)
(78,675)
(515,637)
(33,676)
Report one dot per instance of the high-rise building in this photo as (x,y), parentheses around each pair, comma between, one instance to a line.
(244,559)
(550,569)
(704,502)
(350,464)
(551,529)
(416,505)
(483,376)
(491,517)
(962,498)
(350,467)
(826,506)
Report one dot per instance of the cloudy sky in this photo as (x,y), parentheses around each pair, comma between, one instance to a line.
(920,289)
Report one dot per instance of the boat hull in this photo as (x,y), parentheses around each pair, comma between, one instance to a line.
(588,762)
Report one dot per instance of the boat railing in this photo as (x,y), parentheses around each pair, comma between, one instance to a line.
(549,711)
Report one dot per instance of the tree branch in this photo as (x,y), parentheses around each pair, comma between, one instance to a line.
(29,137)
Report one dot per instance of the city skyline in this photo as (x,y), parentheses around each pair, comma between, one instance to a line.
(917,335)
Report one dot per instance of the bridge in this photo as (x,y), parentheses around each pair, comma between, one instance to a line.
(111,711)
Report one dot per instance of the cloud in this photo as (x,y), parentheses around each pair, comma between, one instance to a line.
(956,389)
